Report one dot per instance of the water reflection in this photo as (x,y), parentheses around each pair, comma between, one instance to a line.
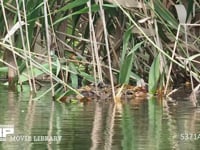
(130,125)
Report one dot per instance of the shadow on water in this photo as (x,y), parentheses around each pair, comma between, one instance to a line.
(133,125)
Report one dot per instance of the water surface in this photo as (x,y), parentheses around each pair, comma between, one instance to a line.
(132,125)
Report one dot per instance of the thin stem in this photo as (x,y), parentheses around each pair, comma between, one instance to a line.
(24,47)
(48,43)
(107,48)
(9,38)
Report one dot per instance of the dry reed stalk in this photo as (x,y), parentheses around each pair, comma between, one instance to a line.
(32,88)
(107,47)
(48,44)
(10,41)
(28,46)
(171,63)
(93,43)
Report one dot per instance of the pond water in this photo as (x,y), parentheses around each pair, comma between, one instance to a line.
(133,125)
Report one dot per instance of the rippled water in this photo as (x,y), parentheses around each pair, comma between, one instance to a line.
(133,125)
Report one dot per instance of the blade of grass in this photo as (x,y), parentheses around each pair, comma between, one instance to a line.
(154,75)
(125,70)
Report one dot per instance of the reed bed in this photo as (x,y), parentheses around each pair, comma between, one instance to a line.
(74,43)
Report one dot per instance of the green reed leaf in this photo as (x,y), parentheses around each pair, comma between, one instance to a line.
(125,70)
(154,75)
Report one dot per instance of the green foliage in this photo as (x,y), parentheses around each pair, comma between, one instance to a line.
(190,8)
(86,76)
(94,8)
(74,75)
(152,30)
(127,59)
(37,71)
(73,4)
(34,12)
(165,14)
(154,75)
(3,70)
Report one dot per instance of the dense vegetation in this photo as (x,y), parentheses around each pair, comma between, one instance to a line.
(72,43)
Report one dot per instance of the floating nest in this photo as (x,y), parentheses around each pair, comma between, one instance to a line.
(103,92)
